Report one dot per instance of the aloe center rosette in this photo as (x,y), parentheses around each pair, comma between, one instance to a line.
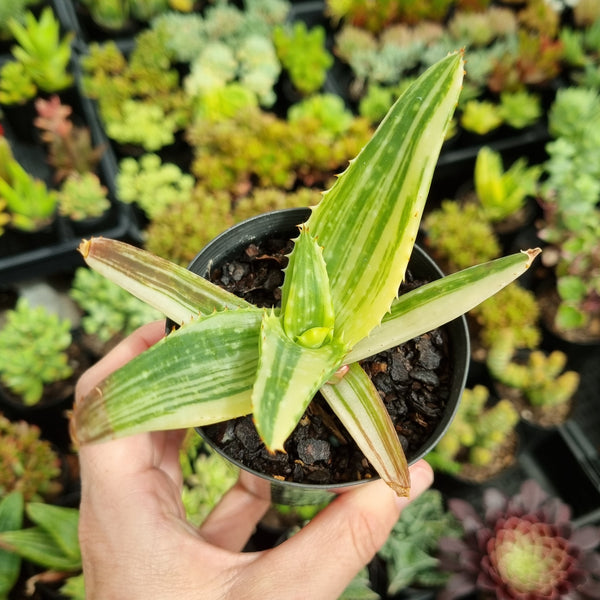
(339,305)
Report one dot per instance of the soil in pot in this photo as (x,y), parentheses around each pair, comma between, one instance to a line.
(414,380)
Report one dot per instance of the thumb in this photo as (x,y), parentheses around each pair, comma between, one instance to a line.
(321,559)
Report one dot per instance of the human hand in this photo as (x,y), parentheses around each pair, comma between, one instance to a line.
(136,543)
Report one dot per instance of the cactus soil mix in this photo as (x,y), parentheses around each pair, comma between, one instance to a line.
(413,379)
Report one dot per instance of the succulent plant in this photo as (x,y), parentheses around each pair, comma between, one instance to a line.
(16,85)
(514,308)
(42,52)
(109,311)
(540,16)
(477,437)
(586,12)
(518,547)
(140,98)
(11,518)
(520,109)
(539,379)
(458,235)
(569,197)
(152,184)
(29,464)
(182,229)
(82,196)
(303,55)
(480,116)
(31,204)
(409,552)
(334,311)
(536,61)
(256,146)
(50,541)
(33,350)
(500,192)
(206,478)
(70,147)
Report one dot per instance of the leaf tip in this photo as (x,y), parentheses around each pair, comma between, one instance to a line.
(84,248)
(531,254)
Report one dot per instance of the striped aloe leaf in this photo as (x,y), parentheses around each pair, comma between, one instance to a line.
(367,222)
(201,373)
(359,407)
(173,290)
(441,301)
(288,376)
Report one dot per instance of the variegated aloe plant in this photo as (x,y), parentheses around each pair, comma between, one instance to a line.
(339,304)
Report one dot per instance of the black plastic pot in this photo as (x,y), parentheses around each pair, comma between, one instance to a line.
(284,225)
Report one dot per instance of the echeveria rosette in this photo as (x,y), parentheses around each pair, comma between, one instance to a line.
(523,548)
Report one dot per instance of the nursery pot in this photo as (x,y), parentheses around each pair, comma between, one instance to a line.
(283,224)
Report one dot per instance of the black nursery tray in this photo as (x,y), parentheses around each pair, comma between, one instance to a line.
(28,255)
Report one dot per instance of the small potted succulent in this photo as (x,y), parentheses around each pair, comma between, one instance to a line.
(109,312)
(42,64)
(83,199)
(535,381)
(339,305)
(39,366)
(481,441)
(30,465)
(524,546)
(50,542)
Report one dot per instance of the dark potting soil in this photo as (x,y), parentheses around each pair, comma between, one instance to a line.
(413,380)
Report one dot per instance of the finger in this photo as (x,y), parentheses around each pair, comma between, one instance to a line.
(233,520)
(141,339)
(340,540)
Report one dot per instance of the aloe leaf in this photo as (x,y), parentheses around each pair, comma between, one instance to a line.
(359,407)
(37,546)
(60,522)
(288,377)
(202,373)
(173,290)
(306,304)
(11,518)
(441,301)
(368,221)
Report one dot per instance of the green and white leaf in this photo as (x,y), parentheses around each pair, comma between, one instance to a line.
(201,373)
(368,221)
(288,376)
(359,407)
(440,301)
(306,306)
(173,290)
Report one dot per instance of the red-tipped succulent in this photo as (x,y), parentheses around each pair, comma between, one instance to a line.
(523,548)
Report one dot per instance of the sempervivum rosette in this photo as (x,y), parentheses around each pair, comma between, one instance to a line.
(524,548)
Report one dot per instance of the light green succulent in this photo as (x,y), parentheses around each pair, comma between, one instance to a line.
(339,304)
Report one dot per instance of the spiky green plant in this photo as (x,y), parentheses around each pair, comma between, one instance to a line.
(339,304)
(42,51)
(501,192)
(31,204)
